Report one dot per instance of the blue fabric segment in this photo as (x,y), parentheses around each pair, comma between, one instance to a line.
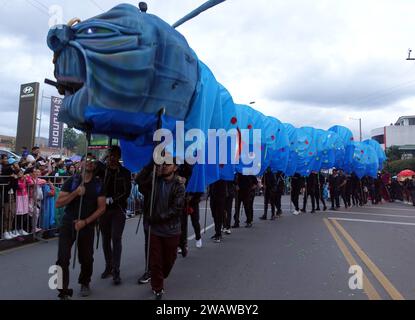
(380,153)
(293,156)
(306,151)
(348,141)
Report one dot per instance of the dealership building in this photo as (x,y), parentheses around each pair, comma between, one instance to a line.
(402,135)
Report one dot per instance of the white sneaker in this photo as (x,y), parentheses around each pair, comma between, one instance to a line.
(296,213)
(23,233)
(7,236)
(179,250)
(14,234)
(199,244)
(228,231)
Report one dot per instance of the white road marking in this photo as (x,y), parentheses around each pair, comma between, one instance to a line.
(374,214)
(388,208)
(374,221)
(202,229)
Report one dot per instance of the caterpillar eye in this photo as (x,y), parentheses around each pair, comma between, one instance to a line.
(95,30)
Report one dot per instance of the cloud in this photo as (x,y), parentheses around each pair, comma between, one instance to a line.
(314,63)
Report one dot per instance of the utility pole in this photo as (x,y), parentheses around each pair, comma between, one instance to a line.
(360,127)
(409,55)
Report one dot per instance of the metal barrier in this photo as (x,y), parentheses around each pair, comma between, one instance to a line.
(29,210)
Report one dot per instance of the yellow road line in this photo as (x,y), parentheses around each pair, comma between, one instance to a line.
(367,286)
(389,287)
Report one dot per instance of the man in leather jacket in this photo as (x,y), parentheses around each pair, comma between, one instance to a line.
(117,186)
(164,225)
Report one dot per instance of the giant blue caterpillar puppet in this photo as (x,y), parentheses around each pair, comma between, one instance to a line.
(118,69)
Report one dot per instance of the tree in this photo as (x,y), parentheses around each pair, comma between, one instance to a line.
(70,139)
(394,154)
(81,144)
(394,167)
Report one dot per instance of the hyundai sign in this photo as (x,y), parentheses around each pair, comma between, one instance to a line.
(55,127)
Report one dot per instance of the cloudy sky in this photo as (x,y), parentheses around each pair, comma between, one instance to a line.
(308,62)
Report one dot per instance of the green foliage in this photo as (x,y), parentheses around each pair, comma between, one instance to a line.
(81,144)
(394,167)
(394,154)
(70,139)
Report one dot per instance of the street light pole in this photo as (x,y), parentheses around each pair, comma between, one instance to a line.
(40,118)
(360,127)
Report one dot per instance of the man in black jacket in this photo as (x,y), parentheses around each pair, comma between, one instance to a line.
(270,188)
(163,226)
(321,180)
(334,190)
(310,190)
(230,195)
(217,192)
(297,183)
(246,195)
(117,188)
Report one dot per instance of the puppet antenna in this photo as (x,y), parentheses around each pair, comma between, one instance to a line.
(206,6)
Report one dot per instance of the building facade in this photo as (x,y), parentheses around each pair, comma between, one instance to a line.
(401,134)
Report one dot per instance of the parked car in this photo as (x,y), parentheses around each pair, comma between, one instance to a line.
(10,154)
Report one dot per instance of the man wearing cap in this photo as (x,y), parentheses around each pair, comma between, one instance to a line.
(117,188)
(84,195)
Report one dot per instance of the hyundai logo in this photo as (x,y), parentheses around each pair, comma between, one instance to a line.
(28,90)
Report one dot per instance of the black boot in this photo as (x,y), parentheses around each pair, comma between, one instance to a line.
(107,273)
(116,278)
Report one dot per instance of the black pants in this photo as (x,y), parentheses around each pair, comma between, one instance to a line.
(319,197)
(357,197)
(269,198)
(217,206)
(335,199)
(348,198)
(278,196)
(248,202)
(313,200)
(194,218)
(67,237)
(112,225)
(228,212)
(343,194)
(163,255)
(295,195)
(146,242)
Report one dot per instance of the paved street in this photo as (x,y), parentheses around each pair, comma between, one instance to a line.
(295,257)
